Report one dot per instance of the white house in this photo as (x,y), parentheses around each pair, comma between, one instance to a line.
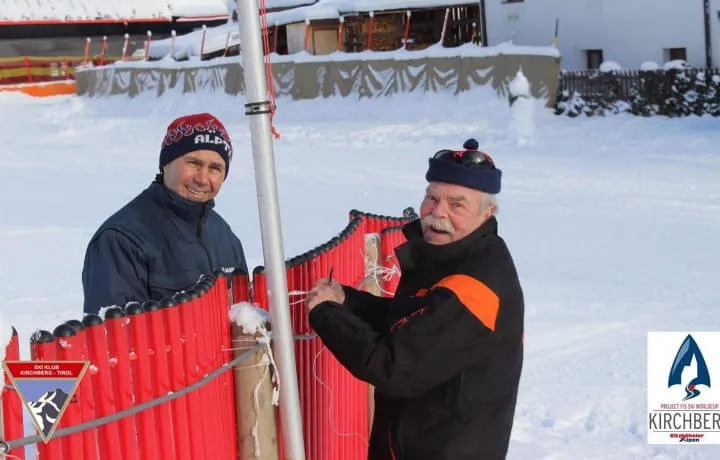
(628,32)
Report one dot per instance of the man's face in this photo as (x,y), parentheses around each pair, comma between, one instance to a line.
(197,175)
(450,212)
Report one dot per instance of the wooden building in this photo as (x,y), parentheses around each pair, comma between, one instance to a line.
(320,30)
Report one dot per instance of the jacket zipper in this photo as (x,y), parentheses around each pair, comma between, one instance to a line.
(390,444)
(199,228)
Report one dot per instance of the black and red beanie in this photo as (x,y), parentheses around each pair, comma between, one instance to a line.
(200,131)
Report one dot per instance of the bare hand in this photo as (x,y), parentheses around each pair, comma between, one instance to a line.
(325,291)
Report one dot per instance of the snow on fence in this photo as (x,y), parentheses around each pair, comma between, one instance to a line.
(157,386)
(367,74)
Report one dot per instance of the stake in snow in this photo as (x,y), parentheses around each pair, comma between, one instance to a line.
(252,320)
(256,381)
(255,321)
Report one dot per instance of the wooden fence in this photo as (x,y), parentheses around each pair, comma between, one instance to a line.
(590,83)
(654,86)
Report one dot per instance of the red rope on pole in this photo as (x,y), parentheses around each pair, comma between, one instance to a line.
(268,65)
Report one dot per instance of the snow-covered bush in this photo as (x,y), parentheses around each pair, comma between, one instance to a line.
(677,90)
(609,66)
(676,64)
(649,66)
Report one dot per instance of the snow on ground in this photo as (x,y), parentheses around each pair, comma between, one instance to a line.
(613,223)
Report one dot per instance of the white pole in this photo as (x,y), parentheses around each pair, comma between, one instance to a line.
(257,108)
(444,27)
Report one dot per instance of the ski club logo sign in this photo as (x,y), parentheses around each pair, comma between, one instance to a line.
(683,387)
(45,388)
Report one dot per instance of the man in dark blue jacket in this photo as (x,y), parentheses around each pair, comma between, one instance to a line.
(163,240)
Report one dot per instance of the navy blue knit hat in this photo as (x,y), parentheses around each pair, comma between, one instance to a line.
(470,168)
(200,131)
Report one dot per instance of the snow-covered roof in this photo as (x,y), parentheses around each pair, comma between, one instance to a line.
(284,4)
(12,11)
(195,8)
(19,11)
(331,9)
(188,45)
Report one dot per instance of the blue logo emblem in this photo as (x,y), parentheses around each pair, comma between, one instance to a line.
(685,354)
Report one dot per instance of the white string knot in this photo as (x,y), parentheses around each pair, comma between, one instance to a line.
(375,272)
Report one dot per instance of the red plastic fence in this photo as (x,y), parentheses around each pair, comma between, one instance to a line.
(141,352)
(334,404)
(12,410)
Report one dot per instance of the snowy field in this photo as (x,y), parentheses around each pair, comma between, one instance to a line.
(614,225)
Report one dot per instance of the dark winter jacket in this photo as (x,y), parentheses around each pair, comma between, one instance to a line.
(445,354)
(156,245)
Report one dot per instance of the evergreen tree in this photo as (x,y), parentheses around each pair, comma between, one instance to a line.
(712,96)
(639,104)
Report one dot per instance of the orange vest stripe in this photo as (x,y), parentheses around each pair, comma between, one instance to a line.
(475,295)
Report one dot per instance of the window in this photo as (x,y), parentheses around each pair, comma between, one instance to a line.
(676,54)
(594,59)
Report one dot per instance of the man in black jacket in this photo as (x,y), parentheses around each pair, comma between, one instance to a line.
(445,352)
(169,235)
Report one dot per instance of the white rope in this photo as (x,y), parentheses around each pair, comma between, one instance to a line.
(324,384)
(330,411)
(373,272)
(5,446)
(256,398)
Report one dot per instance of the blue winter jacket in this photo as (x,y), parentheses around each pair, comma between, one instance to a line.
(156,245)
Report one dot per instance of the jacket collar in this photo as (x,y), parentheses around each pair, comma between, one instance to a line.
(188,210)
(416,252)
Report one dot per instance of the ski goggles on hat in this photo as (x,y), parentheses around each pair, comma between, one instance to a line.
(472,158)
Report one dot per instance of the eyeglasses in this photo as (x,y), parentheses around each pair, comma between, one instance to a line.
(473,158)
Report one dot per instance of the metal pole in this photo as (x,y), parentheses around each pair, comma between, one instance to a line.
(258,110)
(708,35)
(483,24)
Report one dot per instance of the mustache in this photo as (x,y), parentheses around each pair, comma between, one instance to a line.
(441,225)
